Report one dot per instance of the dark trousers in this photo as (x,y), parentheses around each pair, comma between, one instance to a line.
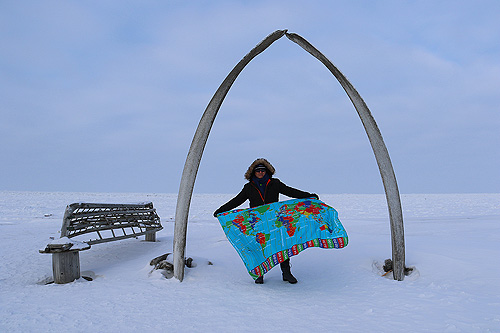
(285,266)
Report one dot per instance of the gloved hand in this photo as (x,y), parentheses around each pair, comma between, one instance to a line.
(314,195)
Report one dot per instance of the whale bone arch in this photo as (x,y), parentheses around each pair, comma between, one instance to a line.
(200,138)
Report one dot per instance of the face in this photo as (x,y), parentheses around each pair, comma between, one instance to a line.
(260,173)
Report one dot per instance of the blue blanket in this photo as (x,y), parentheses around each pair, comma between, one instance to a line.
(266,235)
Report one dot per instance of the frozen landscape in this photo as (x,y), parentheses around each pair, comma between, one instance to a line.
(452,241)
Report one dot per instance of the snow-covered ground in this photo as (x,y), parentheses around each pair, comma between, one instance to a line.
(452,240)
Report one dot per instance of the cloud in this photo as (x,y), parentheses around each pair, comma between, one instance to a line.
(94,94)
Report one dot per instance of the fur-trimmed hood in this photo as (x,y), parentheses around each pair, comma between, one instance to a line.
(269,167)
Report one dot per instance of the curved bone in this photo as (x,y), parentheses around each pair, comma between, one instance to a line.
(200,138)
(381,155)
(196,151)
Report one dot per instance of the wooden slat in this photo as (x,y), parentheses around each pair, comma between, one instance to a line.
(144,212)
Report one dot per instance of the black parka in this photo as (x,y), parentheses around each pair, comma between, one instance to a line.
(271,194)
(250,192)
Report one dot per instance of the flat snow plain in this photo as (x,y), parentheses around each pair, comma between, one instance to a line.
(452,241)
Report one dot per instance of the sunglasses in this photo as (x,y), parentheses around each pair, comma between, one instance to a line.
(260,170)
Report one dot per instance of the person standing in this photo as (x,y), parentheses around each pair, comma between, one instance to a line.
(263,189)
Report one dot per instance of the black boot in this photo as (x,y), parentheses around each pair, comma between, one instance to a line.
(287,274)
(260,279)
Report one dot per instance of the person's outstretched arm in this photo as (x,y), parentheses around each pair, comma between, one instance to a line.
(295,193)
(233,203)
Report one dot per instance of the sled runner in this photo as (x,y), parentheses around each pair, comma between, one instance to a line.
(85,224)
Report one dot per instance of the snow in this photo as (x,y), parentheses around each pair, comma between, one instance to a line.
(75,244)
(452,240)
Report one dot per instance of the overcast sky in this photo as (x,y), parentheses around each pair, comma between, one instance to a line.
(105,96)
